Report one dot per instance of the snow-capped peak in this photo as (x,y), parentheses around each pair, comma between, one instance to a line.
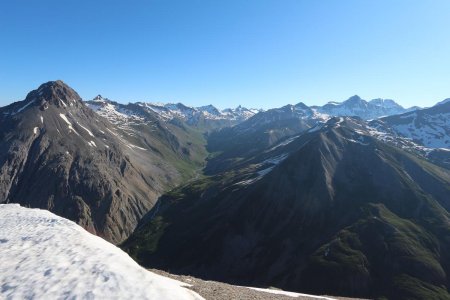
(119,113)
(190,114)
(99,98)
(210,109)
(355,106)
(385,103)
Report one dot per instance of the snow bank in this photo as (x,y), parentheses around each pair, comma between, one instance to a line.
(46,256)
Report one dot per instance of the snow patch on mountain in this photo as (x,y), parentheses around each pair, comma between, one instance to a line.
(264,168)
(283,143)
(24,107)
(63,116)
(116,114)
(69,125)
(87,130)
(428,127)
(124,116)
(433,130)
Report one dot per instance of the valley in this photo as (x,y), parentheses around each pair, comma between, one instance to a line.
(224,150)
(349,199)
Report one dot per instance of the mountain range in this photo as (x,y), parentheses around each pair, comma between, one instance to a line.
(348,199)
(354,106)
(205,117)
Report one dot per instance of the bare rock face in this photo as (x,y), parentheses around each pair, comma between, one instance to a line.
(57,154)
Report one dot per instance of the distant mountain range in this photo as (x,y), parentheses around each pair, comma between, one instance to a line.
(348,198)
(354,106)
(208,117)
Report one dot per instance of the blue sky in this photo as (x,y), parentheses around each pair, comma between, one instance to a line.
(251,52)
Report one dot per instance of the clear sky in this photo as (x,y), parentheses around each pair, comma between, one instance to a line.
(251,52)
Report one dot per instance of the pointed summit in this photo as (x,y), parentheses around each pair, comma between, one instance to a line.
(301,105)
(211,109)
(354,99)
(98,98)
(54,93)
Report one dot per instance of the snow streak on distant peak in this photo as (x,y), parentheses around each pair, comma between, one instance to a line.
(169,111)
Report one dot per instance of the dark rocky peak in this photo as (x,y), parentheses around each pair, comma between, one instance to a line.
(54,93)
(240,108)
(182,106)
(102,101)
(286,108)
(446,101)
(99,98)
(302,105)
(442,107)
(354,100)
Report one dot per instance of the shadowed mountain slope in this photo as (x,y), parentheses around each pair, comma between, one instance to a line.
(335,211)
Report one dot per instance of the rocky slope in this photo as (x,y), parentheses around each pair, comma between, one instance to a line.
(174,140)
(58,154)
(333,211)
(214,290)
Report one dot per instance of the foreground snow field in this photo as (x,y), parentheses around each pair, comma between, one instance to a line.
(44,256)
